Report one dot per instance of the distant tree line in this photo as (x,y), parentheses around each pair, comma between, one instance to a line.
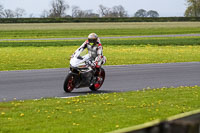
(59,8)
(8,13)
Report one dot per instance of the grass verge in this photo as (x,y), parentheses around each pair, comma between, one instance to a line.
(21,58)
(97,113)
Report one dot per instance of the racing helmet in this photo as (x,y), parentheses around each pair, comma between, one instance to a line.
(92,38)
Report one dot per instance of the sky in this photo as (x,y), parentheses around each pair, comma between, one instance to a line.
(166,8)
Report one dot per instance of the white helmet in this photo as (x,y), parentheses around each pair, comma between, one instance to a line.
(92,38)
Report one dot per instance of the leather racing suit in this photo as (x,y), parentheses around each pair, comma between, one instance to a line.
(95,52)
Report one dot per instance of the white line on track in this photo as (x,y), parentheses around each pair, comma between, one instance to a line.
(67,97)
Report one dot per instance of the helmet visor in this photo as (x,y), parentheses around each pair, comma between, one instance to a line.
(92,41)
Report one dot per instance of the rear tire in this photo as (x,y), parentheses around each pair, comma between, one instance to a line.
(102,77)
(69,83)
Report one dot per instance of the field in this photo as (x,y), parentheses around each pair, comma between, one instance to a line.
(104,112)
(20,58)
(20,55)
(103,29)
(97,113)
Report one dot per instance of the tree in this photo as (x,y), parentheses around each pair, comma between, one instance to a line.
(9,13)
(152,14)
(115,11)
(1,11)
(90,14)
(19,12)
(75,11)
(193,9)
(141,13)
(104,11)
(78,13)
(118,11)
(58,8)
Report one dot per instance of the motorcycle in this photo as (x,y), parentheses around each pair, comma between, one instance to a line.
(83,73)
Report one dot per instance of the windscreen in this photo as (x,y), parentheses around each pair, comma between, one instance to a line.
(84,52)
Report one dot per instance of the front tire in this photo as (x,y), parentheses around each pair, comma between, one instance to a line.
(69,83)
(100,79)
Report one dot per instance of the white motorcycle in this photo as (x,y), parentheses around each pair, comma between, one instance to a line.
(83,73)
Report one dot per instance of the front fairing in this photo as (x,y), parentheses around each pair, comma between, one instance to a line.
(78,61)
(82,71)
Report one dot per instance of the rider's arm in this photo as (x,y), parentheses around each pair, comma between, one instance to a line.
(98,59)
(100,48)
(80,49)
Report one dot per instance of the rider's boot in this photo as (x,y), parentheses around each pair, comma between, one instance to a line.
(98,72)
(98,79)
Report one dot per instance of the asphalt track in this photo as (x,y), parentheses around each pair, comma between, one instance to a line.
(117,37)
(34,84)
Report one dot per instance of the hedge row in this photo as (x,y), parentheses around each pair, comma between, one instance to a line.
(77,20)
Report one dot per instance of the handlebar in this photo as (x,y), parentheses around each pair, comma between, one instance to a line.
(90,63)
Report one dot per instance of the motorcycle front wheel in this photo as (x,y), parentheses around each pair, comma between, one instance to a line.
(69,83)
(99,81)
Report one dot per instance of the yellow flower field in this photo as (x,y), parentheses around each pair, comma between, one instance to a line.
(20,58)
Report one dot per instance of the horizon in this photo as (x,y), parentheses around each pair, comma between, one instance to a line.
(170,8)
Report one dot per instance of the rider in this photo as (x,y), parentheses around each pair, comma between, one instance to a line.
(95,50)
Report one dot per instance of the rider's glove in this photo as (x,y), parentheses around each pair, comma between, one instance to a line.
(93,64)
(96,65)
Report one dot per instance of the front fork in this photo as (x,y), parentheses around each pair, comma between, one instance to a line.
(96,74)
(77,79)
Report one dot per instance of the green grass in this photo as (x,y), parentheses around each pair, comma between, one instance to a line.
(130,41)
(84,33)
(102,29)
(83,26)
(97,113)
(20,58)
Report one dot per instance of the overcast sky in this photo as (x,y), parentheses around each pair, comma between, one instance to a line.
(165,8)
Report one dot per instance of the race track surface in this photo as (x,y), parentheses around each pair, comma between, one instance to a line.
(34,84)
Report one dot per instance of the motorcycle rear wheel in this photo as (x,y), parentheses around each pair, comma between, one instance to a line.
(102,77)
(69,83)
